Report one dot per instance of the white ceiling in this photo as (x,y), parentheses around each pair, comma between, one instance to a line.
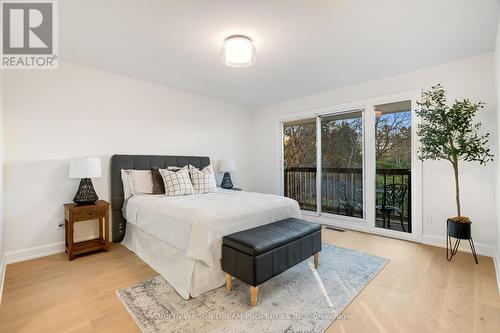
(303,47)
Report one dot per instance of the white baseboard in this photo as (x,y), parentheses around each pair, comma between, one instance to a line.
(481,249)
(496,261)
(34,252)
(3,267)
(39,251)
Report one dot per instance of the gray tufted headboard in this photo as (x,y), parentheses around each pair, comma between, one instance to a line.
(140,162)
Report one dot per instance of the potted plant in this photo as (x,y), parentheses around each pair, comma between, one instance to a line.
(450,133)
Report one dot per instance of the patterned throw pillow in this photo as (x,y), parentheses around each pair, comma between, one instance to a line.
(203,180)
(177,182)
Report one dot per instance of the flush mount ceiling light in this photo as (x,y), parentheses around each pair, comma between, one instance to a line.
(238,51)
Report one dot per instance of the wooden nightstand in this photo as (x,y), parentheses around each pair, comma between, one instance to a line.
(74,213)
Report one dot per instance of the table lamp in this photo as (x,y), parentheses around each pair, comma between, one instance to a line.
(85,168)
(227,166)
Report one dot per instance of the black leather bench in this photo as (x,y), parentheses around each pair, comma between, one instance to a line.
(256,255)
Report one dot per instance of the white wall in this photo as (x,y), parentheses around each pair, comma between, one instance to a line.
(472,77)
(2,258)
(53,115)
(497,199)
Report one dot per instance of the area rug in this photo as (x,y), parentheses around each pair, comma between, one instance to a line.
(301,299)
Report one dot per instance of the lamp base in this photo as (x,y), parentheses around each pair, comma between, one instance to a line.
(86,194)
(226,181)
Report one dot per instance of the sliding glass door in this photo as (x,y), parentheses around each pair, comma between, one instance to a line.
(342,164)
(355,166)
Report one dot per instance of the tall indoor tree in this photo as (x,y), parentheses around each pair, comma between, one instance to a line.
(450,133)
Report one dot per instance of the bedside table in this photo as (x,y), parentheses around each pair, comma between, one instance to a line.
(74,213)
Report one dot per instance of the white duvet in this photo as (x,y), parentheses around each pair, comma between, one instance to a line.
(195,224)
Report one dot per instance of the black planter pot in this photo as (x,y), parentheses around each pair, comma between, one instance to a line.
(459,231)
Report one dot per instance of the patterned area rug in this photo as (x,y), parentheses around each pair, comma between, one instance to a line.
(299,300)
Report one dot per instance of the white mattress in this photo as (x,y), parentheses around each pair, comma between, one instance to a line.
(195,224)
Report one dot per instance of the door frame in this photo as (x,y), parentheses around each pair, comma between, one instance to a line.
(367,223)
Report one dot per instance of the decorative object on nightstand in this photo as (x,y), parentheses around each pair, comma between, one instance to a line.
(74,213)
(227,166)
(85,168)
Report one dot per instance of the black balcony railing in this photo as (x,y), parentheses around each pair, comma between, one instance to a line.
(342,190)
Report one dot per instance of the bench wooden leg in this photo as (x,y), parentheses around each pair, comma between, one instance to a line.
(253,295)
(229,281)
(316,260)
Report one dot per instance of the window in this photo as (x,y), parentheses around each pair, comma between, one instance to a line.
(393,161)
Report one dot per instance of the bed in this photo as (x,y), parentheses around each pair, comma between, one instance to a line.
(180,237)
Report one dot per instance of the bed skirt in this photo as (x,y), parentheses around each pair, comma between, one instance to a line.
(187,276)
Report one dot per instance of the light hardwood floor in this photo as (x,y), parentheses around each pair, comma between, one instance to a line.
(418,291)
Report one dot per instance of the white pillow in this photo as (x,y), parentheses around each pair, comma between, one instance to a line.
(126,184)
(177,182)
(203,180)
(141,182)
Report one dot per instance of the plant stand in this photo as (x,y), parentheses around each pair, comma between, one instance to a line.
(459,231)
